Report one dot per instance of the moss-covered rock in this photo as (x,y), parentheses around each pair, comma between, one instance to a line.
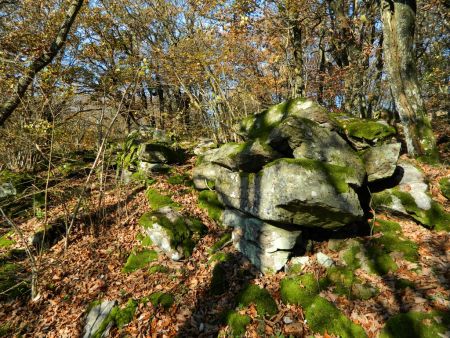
(172,232)
(262,299)
(183,179)
(124,315)
(139,259)
(347,284)
(368,129)
(237,323)
(417,325)
(444,184)
(208,200)
(299,290)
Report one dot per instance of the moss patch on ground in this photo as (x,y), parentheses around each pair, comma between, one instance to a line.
(6,240)
(158,200)
(220,257)
(417,325)
(264,302)
(321,315)
(237,323)
(225,238)
(347,284)
(158,269)
(183,179)
(12,284)
(444,184)
(209,201)
(163,299)
(123,316)
(139,259)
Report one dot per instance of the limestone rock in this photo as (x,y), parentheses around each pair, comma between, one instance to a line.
(96,318)
(307,139)
(203,146)
(154,152)
(173,233)
(268,237)
(204,175)
(380,162)
(149,168)
(324,260)
(249,156)
(294,191)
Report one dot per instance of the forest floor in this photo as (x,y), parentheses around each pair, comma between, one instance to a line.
(91,269)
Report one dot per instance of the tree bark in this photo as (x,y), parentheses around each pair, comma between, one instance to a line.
(398,29)
(40,62)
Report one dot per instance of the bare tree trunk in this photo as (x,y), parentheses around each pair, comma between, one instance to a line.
(40,62)
(398,30)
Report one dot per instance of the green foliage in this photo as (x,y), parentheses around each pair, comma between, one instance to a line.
(158,200)
(209,201)
(237,323)
(162,299)
(260,297)
(139,259)
(128,154)
(417,325)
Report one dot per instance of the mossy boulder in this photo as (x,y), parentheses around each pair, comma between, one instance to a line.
(204,175)
(344,282)
(250,156)
(417,325)
(175,234)
(209,201)
(380,162)
(444,184)
(264,302)
(139,259)
(304,138)
(157,152)
(294,191)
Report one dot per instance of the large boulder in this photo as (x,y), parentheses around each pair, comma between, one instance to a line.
(154,152)
(261,124)
(303,138)
(380,162)
(294,191)
(203,146)
(249,156)
(173,233)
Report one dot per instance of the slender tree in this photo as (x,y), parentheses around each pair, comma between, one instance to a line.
(400,60)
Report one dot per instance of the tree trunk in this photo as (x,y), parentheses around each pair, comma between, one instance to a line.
(398,30)
(40,62)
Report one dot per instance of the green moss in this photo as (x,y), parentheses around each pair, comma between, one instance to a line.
(379,260)
(183,179)
(158,269)
(219,281)
(182,232)
(322,316)
(417,325)
(299,290)
(220,257)
(6,330)
(123,316)
(138,260)
(12,284)
(347,284)
(6,241)
(368,130)
(350,257)
(237,323)
(222,241)
(335,174)
(165,300)
(158,200)
(142,177)
(209,201)
(444,184)
(260,297)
